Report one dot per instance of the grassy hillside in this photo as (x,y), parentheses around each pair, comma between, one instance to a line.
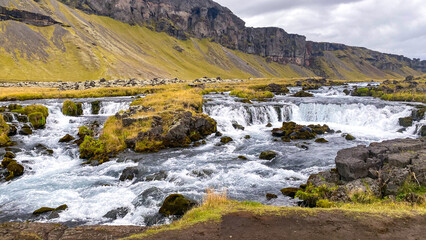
(89,47)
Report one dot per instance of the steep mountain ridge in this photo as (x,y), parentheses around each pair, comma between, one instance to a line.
(202,38)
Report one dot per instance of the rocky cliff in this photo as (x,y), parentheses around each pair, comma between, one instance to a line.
(205,39)
(207,19)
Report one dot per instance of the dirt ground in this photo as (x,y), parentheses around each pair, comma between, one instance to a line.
(323,225)
(327,225)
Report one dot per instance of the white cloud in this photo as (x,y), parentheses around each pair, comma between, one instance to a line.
(392,26)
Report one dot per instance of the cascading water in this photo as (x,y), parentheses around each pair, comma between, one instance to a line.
(92,191)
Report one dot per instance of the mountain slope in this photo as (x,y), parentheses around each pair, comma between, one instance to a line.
(81,40)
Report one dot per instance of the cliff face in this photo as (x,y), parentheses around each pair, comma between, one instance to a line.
(125,39)
(207,19)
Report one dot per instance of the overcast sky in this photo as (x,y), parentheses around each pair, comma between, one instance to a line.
(391,26)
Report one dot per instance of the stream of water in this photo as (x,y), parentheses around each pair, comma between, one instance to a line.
(92,191)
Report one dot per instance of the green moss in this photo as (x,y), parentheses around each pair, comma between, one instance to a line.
(176,204)
(93,149)
(311,195)
(147,145)
(84,131)
(15,170)
(225,140)
(37,119)
(70,108)
(4,130)
(33,109)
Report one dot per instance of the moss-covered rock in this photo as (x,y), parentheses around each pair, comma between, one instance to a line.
(4,131)
(225,140)
(303,94)
(71,108)
(9,155)
(37,119)
(93,150)
(26,130)
(84,131)
(321,140)
(96,107)
(43,210)
(268,155)
(176,205)
(67,138)
(289,192)
(242,157)
(6,161)
(15,170)
(406,122)
(292,131)
(270,196)
(423,131)
(349,137)
(36,108)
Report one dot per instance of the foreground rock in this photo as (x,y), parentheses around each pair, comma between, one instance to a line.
(395,169)
(292,131)
(176,205)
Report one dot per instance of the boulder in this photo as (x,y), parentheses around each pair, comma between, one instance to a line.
(160,176)
(289,192)
(176,205)
(129,173)
(225,140)
(303,94)
(394,178)
(321,140)
(270,196)
(349,137)
(268,155)
(67,138)
(13,130)
(96,107)
(9,155)
(15,170)
(237,126)
(37,120)
(406,122)
(117,213)
(70,108)
(352,163)
(26,130)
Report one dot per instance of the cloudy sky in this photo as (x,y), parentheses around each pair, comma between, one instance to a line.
(391,26)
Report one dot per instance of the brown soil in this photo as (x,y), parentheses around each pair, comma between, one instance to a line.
(323,225)
(327,225)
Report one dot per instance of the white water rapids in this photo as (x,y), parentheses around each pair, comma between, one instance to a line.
(92,191)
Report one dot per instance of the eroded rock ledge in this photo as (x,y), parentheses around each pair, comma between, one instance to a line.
(30,18)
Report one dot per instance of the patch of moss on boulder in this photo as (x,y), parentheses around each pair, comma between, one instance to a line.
(70,108)
(176,205)
(93,150)
(26,130)
(270,196)
(43,210)
(292,131)
(268,155)
(9,155)
(4,131)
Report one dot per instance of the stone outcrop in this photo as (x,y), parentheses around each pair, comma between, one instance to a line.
(31,18)
(380,170)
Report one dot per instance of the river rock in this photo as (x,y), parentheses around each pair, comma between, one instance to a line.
(270,196)
(352,163)
(148,197)
(289,192)
(15,170)
(129,173)
(225,140)
(176,204)
(303,94)
(25,130)
(406,122)
(117,213)
(237,126)
(67,138)
(268,155)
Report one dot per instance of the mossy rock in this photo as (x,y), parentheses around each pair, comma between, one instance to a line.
(93,150)
(303,94)
(247,137)
(36,108)
(289,192)
(67,138)
(176,205)
(9,155)
(423,131)
(84,131)
(12,107)
(37,119)
(43,210)
(349,137)
(321,140)
(62,208)
(6,161)
(406,122)
(270,196)
(268,155)
(96,107)
(225,140)
(71,108)
(269,125)
(15,170)
(242,157)
(26,130)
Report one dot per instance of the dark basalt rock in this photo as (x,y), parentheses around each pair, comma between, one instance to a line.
(96,107)
(292,131)
(176,205)
(129,173)
(406,122)
(270,196)
(225,140)
(236,125)
(303,94)
(25,130)
(117,213)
